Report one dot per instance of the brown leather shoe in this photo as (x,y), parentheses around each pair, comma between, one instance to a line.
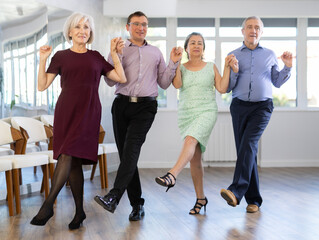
(229,197)
(252,208)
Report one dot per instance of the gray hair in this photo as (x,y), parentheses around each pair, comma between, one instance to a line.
(249,18)
(73,20)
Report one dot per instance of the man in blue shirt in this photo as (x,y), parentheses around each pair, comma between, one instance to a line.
(251,109)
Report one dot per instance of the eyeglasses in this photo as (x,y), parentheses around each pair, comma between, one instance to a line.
(137,24)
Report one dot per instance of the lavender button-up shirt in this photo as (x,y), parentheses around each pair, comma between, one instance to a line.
(144,68)
(258,72)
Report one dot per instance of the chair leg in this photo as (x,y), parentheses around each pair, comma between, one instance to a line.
(93,171)
(16,186)
(51,171)
(35,169)
(45,169)
(101,166)
(10,192)
(41,189)
(20,176)
(105,171)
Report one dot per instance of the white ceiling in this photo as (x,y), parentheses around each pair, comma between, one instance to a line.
(16,11)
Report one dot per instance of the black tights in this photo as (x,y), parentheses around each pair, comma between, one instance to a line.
(68,167)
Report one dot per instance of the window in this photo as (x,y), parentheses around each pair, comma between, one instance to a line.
(20,66)
(279,27)
(156,35)
(286,95)
(205,26)
(312,62)
(230,27)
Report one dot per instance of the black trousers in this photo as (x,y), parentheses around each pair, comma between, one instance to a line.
(250,119)
(131,123)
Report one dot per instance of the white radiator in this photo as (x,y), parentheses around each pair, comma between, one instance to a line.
(221,145)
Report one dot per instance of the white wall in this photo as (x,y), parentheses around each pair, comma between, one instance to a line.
(213,8)
(291,140)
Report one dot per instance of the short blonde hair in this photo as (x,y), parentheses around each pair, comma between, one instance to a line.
(73,20)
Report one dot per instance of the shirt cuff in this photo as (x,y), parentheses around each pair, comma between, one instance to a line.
(173,65)
(287,69)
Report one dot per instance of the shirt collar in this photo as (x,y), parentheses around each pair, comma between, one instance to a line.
(128,43)
(244,46)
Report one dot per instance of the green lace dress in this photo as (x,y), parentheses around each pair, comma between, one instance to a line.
(197,108)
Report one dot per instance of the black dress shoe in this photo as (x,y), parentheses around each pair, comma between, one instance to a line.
(108,202)
(137,213)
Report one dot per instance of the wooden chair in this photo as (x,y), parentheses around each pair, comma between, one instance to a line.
(48,120)
(37,132)
(20,160)
(6,166)
(104,149)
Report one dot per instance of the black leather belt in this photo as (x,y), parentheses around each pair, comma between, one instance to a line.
(135,99)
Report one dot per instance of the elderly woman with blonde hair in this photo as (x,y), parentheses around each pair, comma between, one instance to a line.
(78,109)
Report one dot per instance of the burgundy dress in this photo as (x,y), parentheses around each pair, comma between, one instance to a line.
(77,113)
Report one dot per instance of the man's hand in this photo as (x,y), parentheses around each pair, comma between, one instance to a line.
(231,61)
(117,45)
(286,57)
(176,54)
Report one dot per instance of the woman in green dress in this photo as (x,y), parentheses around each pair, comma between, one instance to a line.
(197,112)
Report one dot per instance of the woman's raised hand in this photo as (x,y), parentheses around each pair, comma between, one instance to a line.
(231,61)
(45,52)
(117,45)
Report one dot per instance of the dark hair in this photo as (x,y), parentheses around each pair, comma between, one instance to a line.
(189,36)
(135,14)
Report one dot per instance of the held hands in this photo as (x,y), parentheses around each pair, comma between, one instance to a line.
(176,54)
(45,52)
(117,45)
(286,57)
(231,61)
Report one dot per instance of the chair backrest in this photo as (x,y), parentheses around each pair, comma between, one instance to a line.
(5,130)
(47,120)
(34,128)
(12,136)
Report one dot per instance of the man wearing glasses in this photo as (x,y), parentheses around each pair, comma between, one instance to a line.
(134,108)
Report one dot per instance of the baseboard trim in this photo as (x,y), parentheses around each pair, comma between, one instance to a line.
(289,163)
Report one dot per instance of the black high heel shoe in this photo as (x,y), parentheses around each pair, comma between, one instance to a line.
(41,222)
(76,223)
(198,206)
(166,180)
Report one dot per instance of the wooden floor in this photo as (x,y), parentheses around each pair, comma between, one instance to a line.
(290,211)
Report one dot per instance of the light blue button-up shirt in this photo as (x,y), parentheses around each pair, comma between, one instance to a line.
(258,71)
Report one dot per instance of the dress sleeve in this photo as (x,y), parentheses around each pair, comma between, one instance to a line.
(106,66)
(55,64)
